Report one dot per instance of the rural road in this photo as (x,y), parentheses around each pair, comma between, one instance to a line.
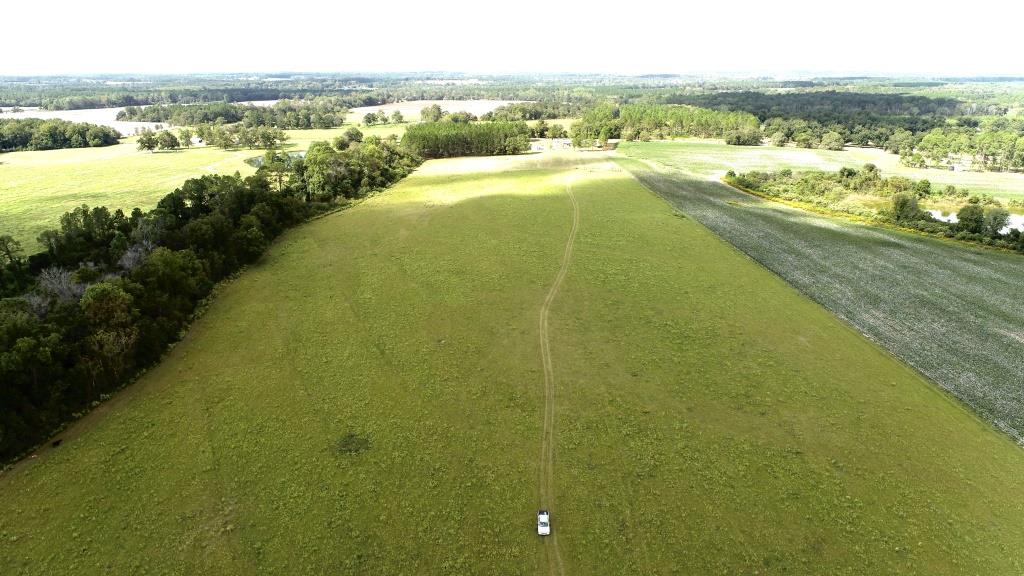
(547,447)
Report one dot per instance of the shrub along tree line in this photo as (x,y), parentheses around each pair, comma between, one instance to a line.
(318,112)
(446,139)
(980,219)
(112,290)
(653,121)
(39,134)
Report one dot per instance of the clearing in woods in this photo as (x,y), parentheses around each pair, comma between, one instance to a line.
(369,399)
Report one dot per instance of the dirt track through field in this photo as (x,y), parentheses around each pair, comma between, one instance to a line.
(547,447)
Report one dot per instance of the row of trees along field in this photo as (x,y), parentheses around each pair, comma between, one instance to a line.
(445,139)
(980,219)
(37,134)
(355,91)
(112,290)
(382,117)
(220,135)
(543,110)
(318,112)
(653,121)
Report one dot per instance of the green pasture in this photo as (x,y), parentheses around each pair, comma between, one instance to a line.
(367,399)
(37,187)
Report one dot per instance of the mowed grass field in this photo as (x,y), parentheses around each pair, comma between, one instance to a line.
(711,157)
(368,399)
(37,187)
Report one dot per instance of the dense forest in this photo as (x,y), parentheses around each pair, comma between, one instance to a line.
(112,290)
(37,134)
(650,121)
(805,118)
(446,139)
(320,112)
(992,144)
(980,219)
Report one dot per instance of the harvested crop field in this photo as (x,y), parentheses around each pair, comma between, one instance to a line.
(953,312)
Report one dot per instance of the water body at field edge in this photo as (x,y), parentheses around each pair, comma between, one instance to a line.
(1016,220)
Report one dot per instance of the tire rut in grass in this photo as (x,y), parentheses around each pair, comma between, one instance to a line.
(552,553)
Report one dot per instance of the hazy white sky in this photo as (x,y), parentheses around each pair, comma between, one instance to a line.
(634,36)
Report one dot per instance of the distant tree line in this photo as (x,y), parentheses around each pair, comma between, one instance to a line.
(849,110)
(456,138)
(38,134)
(543,110)
(112,290)
(77,97)
(654,121)
(831,119)
(980,219)
(321,112)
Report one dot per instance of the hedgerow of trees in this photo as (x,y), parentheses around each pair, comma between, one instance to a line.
(229,136)
(543,110)
(382,117)
(320,112)
(111,290)
(38,134)
(457,138)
